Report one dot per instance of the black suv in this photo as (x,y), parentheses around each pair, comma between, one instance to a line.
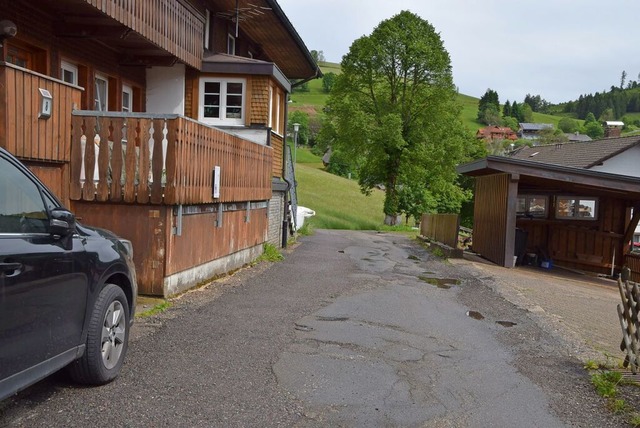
(67,291)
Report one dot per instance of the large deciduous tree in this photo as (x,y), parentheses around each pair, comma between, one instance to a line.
(393,113)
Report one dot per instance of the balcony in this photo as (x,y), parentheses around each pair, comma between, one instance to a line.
(162,159)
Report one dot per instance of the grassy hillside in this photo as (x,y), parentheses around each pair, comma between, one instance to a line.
(337,201)
(312,102)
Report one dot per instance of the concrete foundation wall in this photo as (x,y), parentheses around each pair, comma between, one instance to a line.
(182,281)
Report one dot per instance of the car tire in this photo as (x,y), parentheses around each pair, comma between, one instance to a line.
(107,339)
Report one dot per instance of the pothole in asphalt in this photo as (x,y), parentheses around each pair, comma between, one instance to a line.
(341,251)
(475,315)
(445,283)
(506,323)
(332,318)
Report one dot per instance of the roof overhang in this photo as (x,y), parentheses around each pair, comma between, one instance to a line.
(270,28)
(230,64)
(560,178)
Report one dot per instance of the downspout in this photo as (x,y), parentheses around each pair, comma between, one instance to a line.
(285,223)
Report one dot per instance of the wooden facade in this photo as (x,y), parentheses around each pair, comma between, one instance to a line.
(150,177)
(490,217)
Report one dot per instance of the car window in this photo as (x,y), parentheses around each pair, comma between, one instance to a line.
(21,207)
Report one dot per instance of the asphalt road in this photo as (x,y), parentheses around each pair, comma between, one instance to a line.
(351,329)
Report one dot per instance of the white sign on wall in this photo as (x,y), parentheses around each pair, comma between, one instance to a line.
(216,182)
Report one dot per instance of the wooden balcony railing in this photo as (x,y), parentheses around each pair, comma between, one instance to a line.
(170,24)
(162,159)
(22,131)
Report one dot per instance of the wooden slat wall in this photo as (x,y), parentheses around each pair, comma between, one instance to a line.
(21,131)
(633,262)
(278,146)
(490,217)
(191,149)
(192,248)
(144,226)
(441,227)
(167,23)
(581,244)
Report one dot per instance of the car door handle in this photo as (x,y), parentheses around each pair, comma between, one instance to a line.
(11,268)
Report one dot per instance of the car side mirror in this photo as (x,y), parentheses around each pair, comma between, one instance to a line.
(62,222)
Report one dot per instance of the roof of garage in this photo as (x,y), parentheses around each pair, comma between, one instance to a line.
(564,178)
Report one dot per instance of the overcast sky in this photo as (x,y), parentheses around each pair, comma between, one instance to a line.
(558,49)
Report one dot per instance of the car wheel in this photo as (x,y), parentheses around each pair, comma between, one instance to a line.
(107,339)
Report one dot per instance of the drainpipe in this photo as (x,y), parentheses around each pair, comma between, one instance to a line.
(285,223)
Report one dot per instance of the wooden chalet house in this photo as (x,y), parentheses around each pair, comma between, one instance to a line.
(493,133)
(162,120)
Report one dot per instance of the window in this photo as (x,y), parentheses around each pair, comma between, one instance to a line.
(532,206)
(579,208)
(231,45)
(27,56)
(127,98)
(101,91)
(21,207)
(69,72)
(222,101)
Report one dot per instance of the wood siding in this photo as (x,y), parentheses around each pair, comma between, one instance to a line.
(145,226)
(442,228)
(490,217)
(172,162)
(21,131)
(259,100)
(169,24)
(201,241)
(580,244)
(278,154)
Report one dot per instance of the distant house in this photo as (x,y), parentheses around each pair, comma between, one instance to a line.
(577,137)
(531,131)
(490,133)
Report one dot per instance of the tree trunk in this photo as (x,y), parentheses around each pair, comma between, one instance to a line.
(393,220)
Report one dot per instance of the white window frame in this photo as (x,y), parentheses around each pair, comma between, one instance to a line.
(278,101)
(222,120)
(71,68)
(270,123)
(577,200)
(127,89)
(231,44)
(97,100)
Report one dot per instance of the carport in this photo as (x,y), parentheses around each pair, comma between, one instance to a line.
(574,217)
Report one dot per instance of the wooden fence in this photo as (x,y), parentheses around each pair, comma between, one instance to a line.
(628,314)
(441,228)
(162,159)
